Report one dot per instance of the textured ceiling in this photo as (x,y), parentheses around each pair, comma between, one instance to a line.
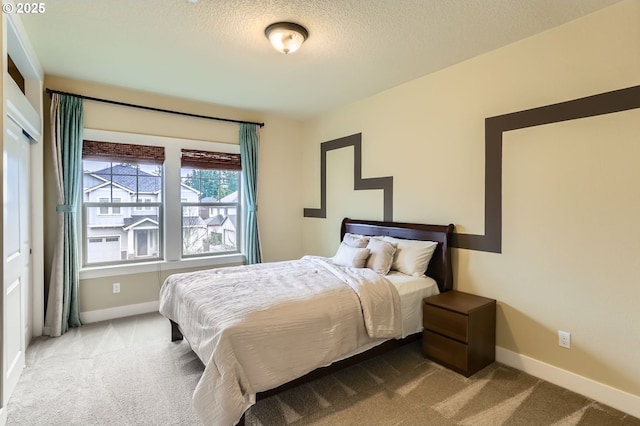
(215,50)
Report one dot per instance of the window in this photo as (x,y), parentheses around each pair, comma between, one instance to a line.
(141,206)
(122,202)
(125,224)
(116,209)
(210,198)
(105,210)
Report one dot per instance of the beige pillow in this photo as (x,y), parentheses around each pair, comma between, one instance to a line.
(381,257)
(355,240)
(412,256)
(351,256)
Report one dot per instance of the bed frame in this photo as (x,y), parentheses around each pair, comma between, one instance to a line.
(439,269)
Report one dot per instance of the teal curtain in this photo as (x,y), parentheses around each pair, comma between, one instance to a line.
(249,141)
(66,132)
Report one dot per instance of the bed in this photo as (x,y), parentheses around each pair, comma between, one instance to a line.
(260,329)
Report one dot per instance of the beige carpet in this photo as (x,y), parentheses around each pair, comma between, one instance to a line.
(126,372)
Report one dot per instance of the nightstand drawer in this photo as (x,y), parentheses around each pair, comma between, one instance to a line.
(445,351)
(445,322)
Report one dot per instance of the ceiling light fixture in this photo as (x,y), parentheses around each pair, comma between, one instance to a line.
(286,37)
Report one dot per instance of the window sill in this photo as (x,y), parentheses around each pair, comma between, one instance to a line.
(160,266)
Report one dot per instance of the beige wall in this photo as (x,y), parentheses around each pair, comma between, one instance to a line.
(571,233)
(279,196)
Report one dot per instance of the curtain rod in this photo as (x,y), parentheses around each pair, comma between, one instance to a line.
(187,114)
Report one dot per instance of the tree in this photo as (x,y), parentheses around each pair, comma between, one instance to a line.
(194,234)
(213,183)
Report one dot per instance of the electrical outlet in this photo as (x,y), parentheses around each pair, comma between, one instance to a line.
(564,339)
(116,287)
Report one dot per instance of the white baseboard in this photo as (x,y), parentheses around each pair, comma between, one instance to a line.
(600,392)
(119,312)
(3,416)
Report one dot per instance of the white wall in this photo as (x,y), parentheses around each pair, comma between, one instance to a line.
(16,43)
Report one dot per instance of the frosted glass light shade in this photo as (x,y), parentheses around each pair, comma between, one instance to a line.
(286,37)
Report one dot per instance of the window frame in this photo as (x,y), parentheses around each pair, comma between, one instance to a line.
(112,206)
(228,165)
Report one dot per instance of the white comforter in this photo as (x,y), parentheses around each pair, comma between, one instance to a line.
(256,327)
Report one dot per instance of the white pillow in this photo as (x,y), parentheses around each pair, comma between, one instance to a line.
(355,240)
(381,257)
(412,256)
(351,256)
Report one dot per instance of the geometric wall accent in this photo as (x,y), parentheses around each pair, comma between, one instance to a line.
(494,127)
(384,183)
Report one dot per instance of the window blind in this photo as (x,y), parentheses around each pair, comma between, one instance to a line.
(122,152)
(210,160)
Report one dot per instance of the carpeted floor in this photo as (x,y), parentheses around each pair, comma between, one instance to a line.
(127,372)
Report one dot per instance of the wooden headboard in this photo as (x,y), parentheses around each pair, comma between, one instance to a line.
(440,265)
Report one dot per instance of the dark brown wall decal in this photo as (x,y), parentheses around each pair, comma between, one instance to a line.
(491,241)
(591,106)
(384,183)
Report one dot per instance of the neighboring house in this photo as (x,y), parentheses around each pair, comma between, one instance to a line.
(211,211)
(222,230)
(221,221)
(119,233)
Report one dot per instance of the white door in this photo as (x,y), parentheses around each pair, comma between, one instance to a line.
(16,226)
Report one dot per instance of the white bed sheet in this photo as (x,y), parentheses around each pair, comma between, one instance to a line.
(239,319)
(412,290)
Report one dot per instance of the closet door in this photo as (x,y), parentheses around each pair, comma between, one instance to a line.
(16,162)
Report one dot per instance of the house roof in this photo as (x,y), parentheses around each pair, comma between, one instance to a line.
(220,220)
(193,221)
(131,178)
(130,222)
(231,198)
(216,220)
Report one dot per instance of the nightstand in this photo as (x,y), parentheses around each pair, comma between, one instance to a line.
(459,331)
